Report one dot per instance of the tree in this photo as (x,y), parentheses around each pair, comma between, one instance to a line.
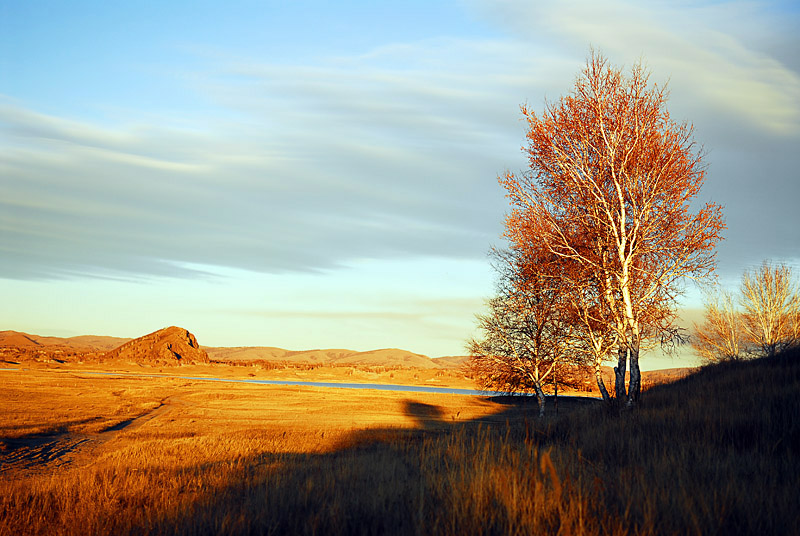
(771,302)
(524,335)
(582,308)
(721,336)
(610,186)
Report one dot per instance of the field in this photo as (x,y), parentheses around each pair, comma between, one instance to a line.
(716,452)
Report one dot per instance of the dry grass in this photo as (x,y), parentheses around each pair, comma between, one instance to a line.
(284,371)
(715,453)
(50,402)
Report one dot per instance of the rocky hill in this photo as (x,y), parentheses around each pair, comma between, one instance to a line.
(168,346)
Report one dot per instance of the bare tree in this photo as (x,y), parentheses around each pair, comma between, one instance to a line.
(721,336)
(771,308)
(611,184)
(524,335)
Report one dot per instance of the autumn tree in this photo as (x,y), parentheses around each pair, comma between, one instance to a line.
(581,306)
(590,319)
(524,337)
(770,300)
(721,336)
(610,188)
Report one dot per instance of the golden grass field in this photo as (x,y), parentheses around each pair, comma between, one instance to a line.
(94,447)
(107,413)
(714,453)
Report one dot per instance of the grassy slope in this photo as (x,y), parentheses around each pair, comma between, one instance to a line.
(715,453)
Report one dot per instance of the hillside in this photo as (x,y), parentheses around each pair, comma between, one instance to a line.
(25,346)
(19,339)
(168,346)
(18,346)
(389,357)
(723,443)
(96,342)
(451,361)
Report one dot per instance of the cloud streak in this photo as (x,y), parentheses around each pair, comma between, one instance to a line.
(707,52)
(389,153)
(309,167)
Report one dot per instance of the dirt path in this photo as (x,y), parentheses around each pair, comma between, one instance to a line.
(41,453)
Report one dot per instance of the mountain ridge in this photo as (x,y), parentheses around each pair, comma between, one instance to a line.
(105,347)
(11,338)
(337,356)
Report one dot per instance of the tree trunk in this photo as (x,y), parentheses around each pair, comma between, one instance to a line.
(555,391)
(635,386)
(540,399)
(619,372)
(600,383)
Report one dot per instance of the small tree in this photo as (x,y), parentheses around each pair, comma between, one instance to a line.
(771,308)
(721,336)
(524,335)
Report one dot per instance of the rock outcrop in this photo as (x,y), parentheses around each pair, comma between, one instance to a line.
(168,346)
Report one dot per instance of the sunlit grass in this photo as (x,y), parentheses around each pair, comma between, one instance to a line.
(715,453)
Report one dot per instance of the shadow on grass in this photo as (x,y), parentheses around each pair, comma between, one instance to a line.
(718,452)
(431,478)
(715,453)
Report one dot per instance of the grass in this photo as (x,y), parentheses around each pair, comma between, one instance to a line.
(713,453)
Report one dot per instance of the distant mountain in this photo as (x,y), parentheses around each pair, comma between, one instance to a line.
(97,342)
(177,346)
(17,339)
(389,357)
(452,361)
(168,346)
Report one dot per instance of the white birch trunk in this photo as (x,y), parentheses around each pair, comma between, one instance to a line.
(598,376)
(540,398)
(619,374)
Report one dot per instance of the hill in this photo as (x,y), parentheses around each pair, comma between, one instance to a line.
(168,346)
(389,357)
(18,339)
(95,347)
(96,342)
(15,346)
(451,361)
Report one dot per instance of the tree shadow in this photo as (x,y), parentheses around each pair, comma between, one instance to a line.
(374,481)
(385,480)
(427,416)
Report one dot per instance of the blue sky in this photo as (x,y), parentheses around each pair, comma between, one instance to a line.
(310,175)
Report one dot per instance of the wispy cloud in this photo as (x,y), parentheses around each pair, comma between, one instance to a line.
(717,52)
(309,167)
(388,153)
(733,72)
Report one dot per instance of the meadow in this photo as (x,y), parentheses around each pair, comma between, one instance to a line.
(713,453)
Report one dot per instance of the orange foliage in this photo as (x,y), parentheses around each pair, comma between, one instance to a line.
(609,191)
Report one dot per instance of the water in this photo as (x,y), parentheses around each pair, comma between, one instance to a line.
(332,385)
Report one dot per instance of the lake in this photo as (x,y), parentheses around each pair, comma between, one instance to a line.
(332,385)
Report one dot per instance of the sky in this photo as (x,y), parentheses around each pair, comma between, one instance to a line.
(324,174)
